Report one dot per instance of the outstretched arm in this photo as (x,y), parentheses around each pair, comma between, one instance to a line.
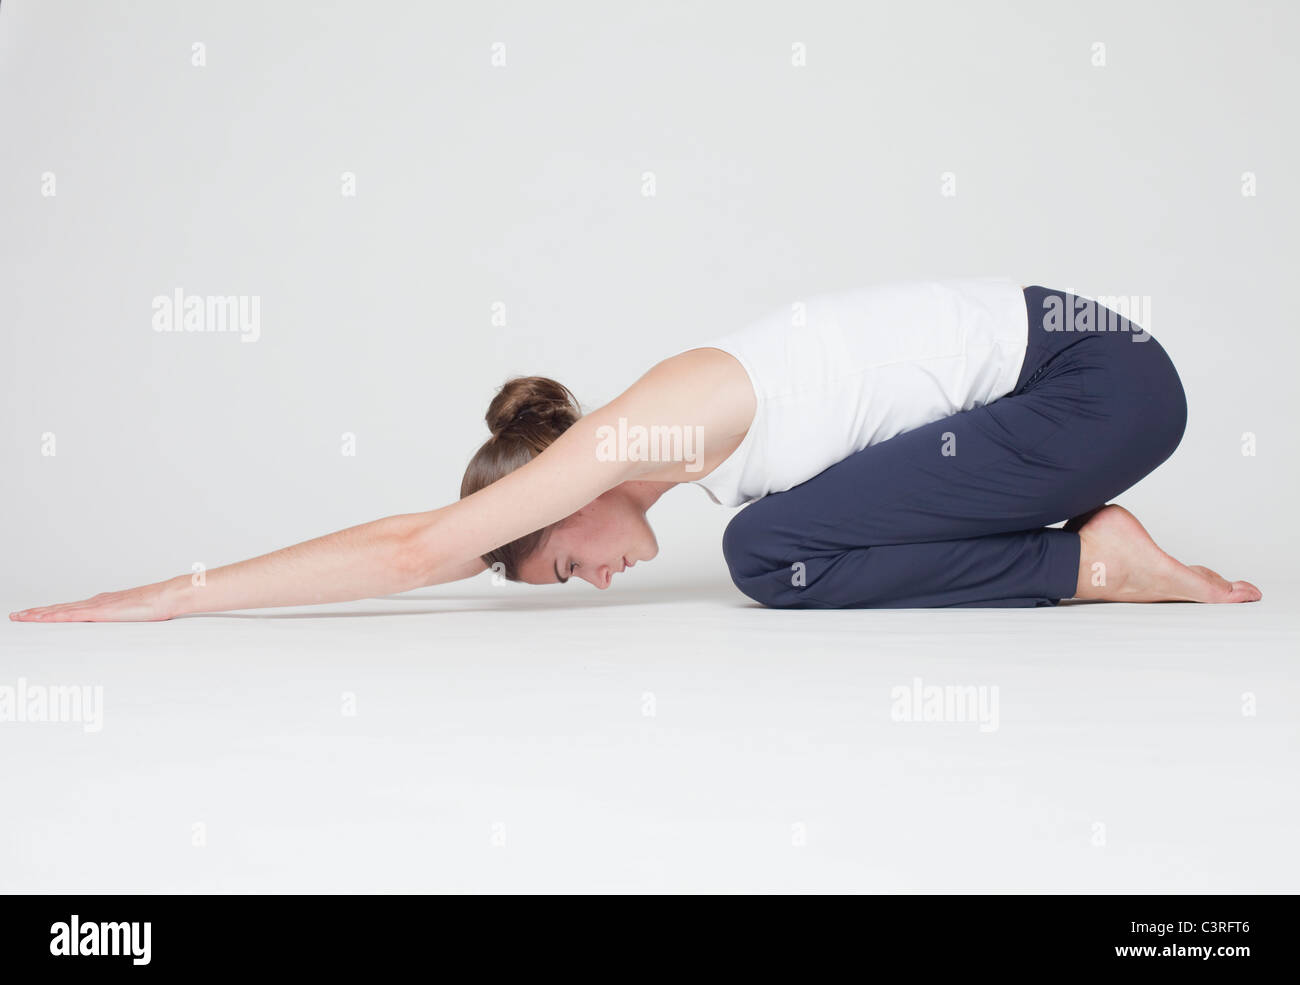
(376,558)
(413,550)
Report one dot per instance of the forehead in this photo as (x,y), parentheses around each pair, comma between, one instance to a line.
(539,567)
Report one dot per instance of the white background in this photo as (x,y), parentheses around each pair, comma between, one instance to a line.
(522,186)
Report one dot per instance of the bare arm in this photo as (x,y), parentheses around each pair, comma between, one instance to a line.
(413,550)
(375,558)
(360,562)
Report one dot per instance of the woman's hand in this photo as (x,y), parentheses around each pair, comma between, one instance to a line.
(144,604)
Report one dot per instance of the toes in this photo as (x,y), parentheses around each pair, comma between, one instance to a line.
(1228,591)
(1246,591)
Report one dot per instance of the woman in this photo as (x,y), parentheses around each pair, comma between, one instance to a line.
(900,445)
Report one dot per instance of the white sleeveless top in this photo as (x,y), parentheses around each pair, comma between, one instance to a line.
(837,372)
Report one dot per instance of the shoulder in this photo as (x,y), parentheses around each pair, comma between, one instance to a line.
(707,386)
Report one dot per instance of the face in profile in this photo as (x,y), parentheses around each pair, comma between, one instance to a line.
(601,540)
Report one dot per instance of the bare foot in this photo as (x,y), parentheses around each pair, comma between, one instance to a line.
(1119,562)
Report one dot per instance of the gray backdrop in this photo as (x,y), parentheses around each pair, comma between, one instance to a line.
(501,157)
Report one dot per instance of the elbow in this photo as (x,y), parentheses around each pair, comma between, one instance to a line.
(426,553)
(412,561)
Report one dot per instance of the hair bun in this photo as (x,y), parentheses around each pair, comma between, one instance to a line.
(529,404)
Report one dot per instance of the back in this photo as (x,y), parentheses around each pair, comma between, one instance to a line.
(840,371)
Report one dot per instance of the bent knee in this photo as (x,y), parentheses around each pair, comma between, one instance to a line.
(746,547)
(738,541)
(751,552)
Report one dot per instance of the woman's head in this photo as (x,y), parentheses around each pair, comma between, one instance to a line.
(526,415)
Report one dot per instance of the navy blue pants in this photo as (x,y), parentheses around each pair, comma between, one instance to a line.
(902,524)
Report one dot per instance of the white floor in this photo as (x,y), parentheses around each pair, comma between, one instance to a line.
(658,740)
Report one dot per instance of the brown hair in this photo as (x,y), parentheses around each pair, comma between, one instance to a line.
(526,415)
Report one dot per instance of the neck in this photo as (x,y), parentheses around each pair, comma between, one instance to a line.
(645,492)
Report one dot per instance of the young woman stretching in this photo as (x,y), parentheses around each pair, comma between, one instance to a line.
(899,445)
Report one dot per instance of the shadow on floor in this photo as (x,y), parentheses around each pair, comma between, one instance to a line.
(495,602)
